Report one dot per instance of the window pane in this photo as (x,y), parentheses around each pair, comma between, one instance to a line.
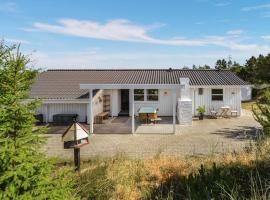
(200,91)
(139,97)
(139,91)
(152,98)
(152,91)
(217,97)
(217,91)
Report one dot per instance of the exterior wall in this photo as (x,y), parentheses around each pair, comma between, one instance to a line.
(97,105)
(164,103)
(48,110)
(115,102)
(231,97)
(246,93)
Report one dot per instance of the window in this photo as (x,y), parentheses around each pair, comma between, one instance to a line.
(139,94)
(217,94)
(145,95)
(200,91)
(152,95)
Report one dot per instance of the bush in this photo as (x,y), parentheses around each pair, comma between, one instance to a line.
(262,112)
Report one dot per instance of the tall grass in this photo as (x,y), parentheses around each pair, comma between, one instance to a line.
(243,175)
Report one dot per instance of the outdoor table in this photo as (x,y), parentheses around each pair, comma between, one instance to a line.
(224,111)
(146,111)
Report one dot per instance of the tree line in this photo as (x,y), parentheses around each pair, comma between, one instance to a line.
(256,70)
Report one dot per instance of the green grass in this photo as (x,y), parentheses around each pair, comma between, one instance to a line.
(248,105)
(243,175)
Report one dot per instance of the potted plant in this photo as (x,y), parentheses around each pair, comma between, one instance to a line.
(201,111)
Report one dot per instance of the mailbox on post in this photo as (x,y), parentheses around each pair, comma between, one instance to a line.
(75,137)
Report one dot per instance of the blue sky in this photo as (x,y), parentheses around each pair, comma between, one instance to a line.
(138,33)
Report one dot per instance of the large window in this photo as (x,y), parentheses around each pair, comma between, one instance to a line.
(146,95)
(217,94)
(139,94)
(152,95)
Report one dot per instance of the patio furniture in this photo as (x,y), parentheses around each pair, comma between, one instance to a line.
(146,113)
(101,116)
(39,118)
(234,113)
(64,119)
(224,111)
(155,120)
(213,113)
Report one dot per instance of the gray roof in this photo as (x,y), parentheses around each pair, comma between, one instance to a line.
(65,83)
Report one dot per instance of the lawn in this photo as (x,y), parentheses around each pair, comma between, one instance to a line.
(248,105)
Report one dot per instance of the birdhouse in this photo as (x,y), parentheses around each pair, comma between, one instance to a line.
(75,136)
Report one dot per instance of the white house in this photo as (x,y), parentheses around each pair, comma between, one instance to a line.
(175,92)
(246,93)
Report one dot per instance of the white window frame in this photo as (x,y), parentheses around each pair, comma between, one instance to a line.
(146,95)
(139,95)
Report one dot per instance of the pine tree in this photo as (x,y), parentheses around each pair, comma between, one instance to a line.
(221,64)
(25,172)
(262,111)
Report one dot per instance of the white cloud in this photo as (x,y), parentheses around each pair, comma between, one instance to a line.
(16,41)
(257,7)
(222,4)
(99,60)
(266,37)
(8,7)
(124,30)
(235,32)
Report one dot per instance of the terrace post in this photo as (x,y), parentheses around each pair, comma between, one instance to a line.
(91,117)
(174,108)
(132,111)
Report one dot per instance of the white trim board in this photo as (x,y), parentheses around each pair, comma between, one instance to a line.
(151,86)
(130,86)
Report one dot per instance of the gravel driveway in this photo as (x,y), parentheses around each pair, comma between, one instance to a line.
(203,137)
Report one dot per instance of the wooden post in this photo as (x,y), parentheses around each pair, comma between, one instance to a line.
(76,150)
(77,161)
(174,108)
(91,117)
(132,112)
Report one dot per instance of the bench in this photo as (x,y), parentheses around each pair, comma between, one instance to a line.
(101,116)
(155,120)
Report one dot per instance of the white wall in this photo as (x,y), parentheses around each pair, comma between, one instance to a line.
(231,97)
(115,102)
(164,103)
(246,93)
(97,105)
(48,110)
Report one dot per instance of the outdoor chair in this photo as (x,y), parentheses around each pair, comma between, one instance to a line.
(213,113)
(153,117)
(234,113)
(143,117)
